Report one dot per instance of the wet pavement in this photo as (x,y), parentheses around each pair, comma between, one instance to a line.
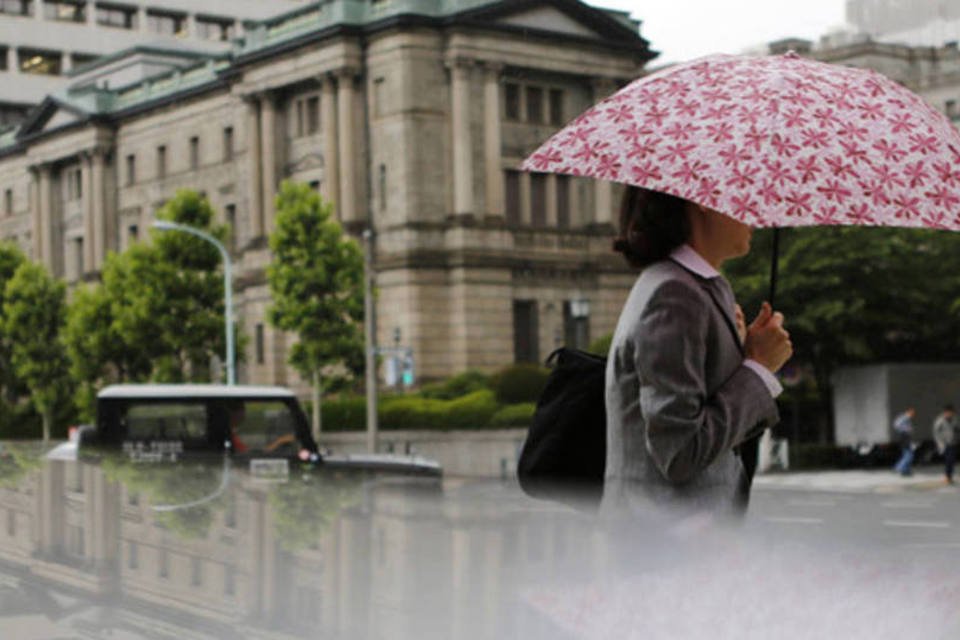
(110,548)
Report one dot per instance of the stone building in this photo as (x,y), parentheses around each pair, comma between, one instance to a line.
(410,115)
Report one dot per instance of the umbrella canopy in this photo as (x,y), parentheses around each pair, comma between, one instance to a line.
(772,141)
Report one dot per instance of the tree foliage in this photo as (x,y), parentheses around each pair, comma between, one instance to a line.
(856,295)
(316,279)
(158,313)
(10,386)
(34,311)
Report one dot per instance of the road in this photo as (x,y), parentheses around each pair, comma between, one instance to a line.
(875,509)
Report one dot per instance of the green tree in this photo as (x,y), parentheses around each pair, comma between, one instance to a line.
(34,311)
(10,387)
(316,280)
(856,296)
(158,313)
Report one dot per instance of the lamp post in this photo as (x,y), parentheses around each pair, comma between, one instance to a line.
(166,225)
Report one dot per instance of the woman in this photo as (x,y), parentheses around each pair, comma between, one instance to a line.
(687,382)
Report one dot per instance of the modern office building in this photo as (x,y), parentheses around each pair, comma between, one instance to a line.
(43,41)
(411,116)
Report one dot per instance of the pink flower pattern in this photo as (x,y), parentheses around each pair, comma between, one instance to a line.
(772,141)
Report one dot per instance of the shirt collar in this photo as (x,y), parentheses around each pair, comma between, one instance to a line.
(687,257)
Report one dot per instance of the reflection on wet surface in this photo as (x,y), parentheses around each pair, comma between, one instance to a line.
(114,548)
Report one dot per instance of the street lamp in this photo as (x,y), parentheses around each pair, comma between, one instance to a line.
(166,225)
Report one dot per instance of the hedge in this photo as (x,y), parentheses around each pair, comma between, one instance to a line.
(519,383)
(472,411)
(514,415)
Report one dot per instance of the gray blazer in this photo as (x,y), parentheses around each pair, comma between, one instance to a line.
(679,398)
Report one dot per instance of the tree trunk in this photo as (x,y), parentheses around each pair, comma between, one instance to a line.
(47,419)
(316,406)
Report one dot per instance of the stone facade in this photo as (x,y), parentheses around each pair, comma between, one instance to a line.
(411,119)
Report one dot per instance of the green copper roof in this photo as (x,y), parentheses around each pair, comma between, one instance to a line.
(260,35)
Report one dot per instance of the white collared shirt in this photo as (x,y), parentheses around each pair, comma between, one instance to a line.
(687,257)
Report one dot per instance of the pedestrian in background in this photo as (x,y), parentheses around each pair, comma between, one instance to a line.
(945,433)
(903,430)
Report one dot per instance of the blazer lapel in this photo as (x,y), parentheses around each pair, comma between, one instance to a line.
(722,297)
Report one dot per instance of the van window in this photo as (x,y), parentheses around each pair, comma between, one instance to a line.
(266,426)
(165,421)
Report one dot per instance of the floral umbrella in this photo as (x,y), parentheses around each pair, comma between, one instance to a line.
(772,141)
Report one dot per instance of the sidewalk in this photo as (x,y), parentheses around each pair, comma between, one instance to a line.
(858,481)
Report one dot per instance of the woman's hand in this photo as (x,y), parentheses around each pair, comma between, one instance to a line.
(767,341)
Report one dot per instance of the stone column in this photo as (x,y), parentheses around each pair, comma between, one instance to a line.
(492,141)
(66,62)
(462,144)
(331,160)
(268,153)
(603,191)
(98,203)
(13,64)
(192,26)
(550,202)
(254,178)
(142,20)
(91,13)
(347,141)
(36,222)
(89,227)
(45,204)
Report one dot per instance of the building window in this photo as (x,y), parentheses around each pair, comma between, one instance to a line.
(512,196)
(556,107)
(220,29)
(260,351)
(230,214)
(576,323)
(65,10)
(307,116)
(525,331)
(80,59)
(131,169)
(77,258)
(511,94)
(563,201)
(8,202)
(383,187)
(39,62)
(161,162)
(538,199)
(194,152)
(227,144)
(133,234)
(379,96)
(72,184)
(534,105)
(133,556)
(119,17)
(951,109)
(16,7)
(167,24)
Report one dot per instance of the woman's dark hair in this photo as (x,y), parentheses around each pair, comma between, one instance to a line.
(652,225)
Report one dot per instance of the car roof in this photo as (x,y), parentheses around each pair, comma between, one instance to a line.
(165,391)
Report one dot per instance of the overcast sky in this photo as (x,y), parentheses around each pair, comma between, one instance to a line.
(685,29)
